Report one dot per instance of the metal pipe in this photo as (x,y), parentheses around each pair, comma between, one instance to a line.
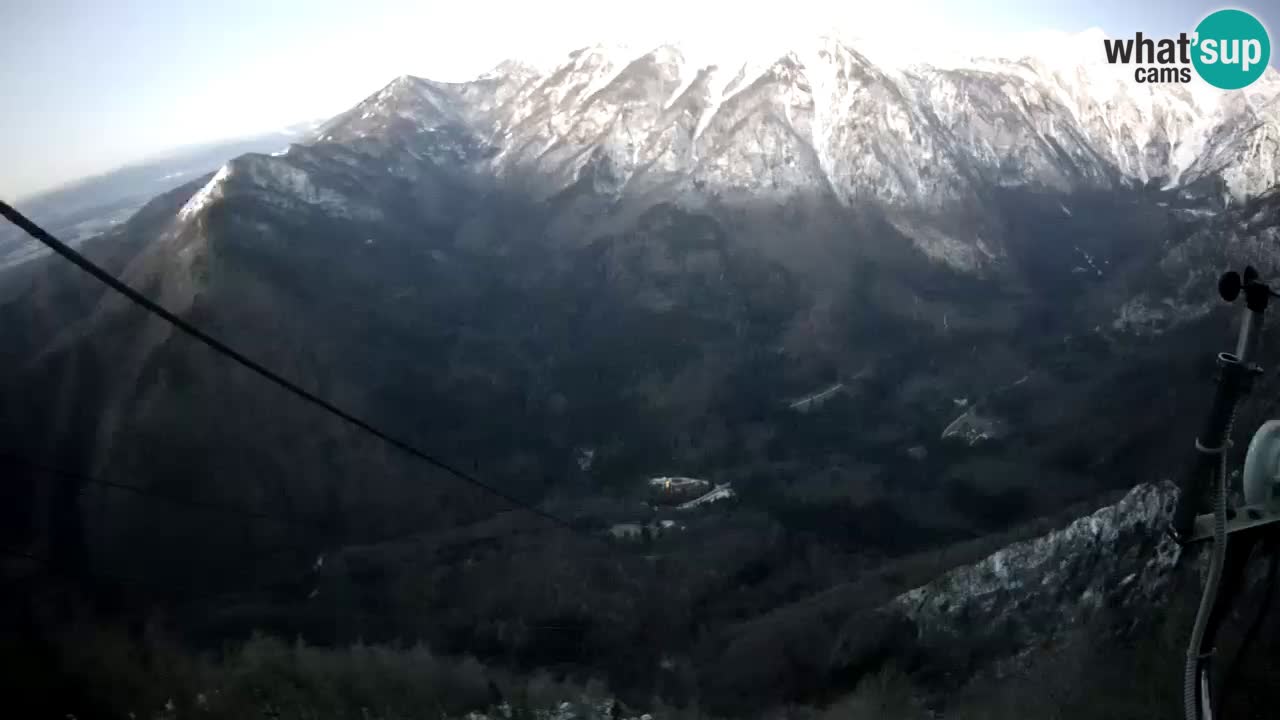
(1213,437)
(1196,694)
(1250,329)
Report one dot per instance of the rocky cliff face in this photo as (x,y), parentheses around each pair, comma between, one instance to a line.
(1029,593)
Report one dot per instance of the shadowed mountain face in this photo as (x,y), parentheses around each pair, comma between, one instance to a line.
(649,264)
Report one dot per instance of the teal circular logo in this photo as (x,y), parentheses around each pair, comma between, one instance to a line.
(1231,49)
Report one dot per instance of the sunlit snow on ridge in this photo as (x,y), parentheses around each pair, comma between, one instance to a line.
(206,194)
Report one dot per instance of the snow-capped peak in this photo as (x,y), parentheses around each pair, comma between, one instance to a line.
(866,120)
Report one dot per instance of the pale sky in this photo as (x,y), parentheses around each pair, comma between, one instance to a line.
(88,85)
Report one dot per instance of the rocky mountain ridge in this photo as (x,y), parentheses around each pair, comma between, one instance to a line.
(823,119)
(1118,557)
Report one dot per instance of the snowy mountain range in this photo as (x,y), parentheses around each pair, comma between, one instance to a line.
(652,254)
(822,121)
(807,198)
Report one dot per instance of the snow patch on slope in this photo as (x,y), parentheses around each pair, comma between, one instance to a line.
(206,195)
(723,491)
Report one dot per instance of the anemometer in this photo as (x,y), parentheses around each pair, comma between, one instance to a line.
(1233,531)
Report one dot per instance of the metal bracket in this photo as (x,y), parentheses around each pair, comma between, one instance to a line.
(1239,519)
